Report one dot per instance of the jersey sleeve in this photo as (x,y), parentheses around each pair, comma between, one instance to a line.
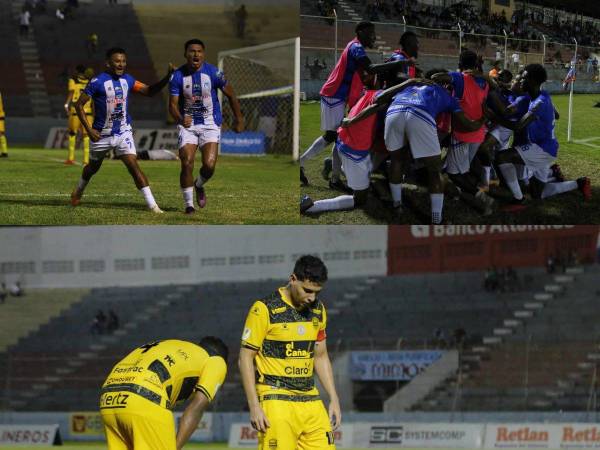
(458,82)
(256,326)
(451,103)
(357,51)
(218,79)
(175,84)
(322,335)
(92,87)
(212,377)
(71,86)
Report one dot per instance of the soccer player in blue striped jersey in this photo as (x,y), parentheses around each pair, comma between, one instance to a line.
(111,129)
(194,104)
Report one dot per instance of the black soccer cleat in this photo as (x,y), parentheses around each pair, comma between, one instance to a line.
(305,204)
(190,210)
(339,185)
(327,168)
(303,178)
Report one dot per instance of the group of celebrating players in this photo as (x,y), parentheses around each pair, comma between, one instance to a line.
(193,103)
(398,121)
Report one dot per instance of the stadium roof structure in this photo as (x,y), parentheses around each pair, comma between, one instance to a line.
(574,6)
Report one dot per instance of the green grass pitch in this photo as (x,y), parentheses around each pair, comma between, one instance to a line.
(36,188)
(578,158)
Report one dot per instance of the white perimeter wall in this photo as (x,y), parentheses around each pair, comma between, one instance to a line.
(132,256)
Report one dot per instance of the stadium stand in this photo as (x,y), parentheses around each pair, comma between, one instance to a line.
(413,307)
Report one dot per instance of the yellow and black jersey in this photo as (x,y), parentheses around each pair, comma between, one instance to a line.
(1,108)
(166,372)
(77,85)
(285,340)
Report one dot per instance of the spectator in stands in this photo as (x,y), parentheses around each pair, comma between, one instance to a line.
(112,2)
(3,292)
(24,21)
(241,15)
(550,264)
(315,69)
(60,14)
(16,290)
(99,323)
(490,282)
(113,321)
(91,44)
(515,60)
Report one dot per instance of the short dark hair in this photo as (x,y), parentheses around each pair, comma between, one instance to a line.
(537,73)
(80,68)
(505,75)
(193,42)
(363,26)
(405,37)
(111,51)
(310,268)
(430,73)
(467,59)
(214,346)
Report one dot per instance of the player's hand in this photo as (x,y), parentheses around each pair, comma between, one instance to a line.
(94,135)
(335,414)
(258,419)
(187,121)
(238,124)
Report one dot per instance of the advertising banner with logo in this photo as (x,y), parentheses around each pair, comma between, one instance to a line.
(540,435)
(88,423)
(390,365)
(418,435)
(246,143)
(440,248)
(242,435)
(204,431)
(19,435)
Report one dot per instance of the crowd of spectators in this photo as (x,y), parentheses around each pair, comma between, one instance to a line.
(103,324)
(501,280)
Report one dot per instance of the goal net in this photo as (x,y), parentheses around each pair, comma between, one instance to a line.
(266,82)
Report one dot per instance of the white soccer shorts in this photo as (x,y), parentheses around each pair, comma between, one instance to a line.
(460,155)
(198,135)
(536,159)
(404,123)
(122,144)
(502,135)
(358,173)
(332,113)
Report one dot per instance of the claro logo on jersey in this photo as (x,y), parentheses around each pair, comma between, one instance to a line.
(386,435)
(298,371)
(425,231)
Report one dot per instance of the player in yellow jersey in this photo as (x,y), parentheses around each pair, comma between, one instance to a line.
(140,391)
(283,341)
(76,85)
(3,145)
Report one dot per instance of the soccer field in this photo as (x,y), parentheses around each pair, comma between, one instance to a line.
(578,158)
(36,188)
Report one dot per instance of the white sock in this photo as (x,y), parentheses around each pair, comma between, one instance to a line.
(336,164)
(486,175)
(396,193)
(188,196)
(81,184)
(316,148)
(200,181)
(333,204)
(437,204)
(558,188)
(510,176)
(147,193)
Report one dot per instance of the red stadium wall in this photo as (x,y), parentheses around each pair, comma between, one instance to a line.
(443,248)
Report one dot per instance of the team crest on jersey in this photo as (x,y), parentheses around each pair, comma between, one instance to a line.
(315,322)
(301,330)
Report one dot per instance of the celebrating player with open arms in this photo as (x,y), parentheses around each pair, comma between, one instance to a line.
(111,129)
(283,340)
(194,104)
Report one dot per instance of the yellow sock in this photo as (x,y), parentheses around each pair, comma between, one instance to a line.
(72,147)
(3,145)
(86,150)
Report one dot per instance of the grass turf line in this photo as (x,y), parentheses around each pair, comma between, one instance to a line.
(36,188)
(575,159)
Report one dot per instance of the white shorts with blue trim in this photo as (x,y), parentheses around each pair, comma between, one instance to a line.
(198,135)
(405,124)
(332,113)
(122,144)
(460,155)
(502,135)
(536,159)
(358,173)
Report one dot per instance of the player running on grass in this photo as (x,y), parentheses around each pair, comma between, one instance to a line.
(141,390)
(194,104)
(111,129)
(77,84)
(283,342)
